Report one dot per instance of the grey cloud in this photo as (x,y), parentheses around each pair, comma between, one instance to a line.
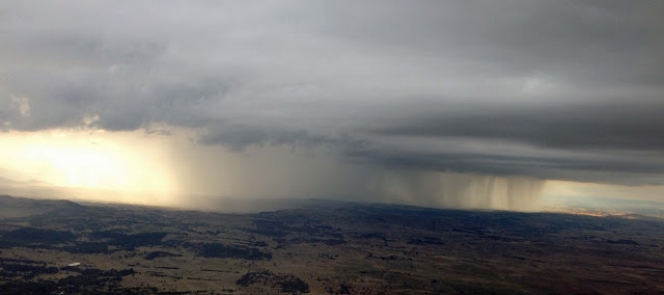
(629,124)
(605,170)
(577,85)
(588,40)
(607,141)
(240,137)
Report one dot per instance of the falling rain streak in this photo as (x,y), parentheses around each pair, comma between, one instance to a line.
(468,191)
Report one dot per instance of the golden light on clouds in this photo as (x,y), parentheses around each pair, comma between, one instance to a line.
(141,168)
(125,162)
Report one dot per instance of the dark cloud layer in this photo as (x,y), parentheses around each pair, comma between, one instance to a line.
(548,89)
(608,125)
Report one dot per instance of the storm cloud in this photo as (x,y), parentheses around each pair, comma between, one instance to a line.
(570,90)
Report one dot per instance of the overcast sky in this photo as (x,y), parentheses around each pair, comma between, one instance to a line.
(543,90)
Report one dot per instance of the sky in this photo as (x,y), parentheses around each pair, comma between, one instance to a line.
(467,104)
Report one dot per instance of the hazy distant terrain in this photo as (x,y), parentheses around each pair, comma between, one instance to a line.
(603,206)
(323,248)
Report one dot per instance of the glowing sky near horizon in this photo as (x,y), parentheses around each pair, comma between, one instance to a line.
(135,167)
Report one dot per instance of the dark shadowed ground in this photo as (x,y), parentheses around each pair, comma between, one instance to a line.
(323,247)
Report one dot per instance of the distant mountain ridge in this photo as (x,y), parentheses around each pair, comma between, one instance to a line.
(19,207)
